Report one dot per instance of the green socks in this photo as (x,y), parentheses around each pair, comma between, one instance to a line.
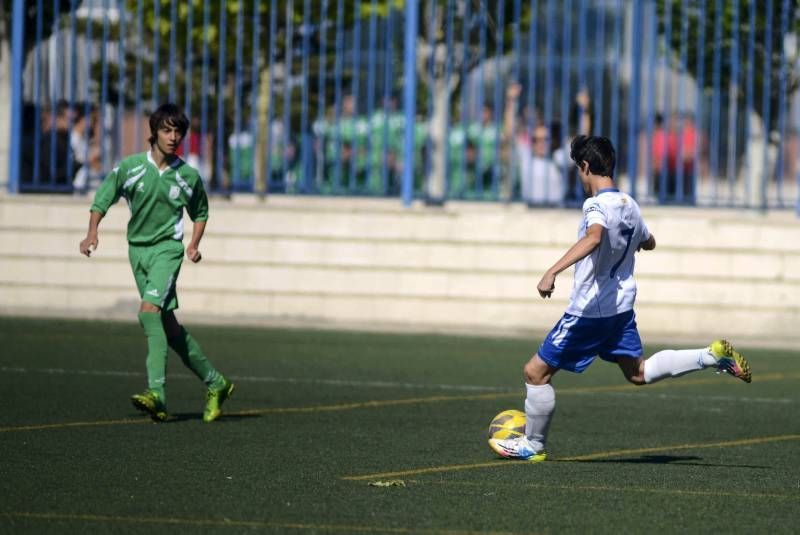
(193,357)
(156,352)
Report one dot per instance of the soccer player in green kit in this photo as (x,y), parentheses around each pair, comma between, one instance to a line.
(158,185)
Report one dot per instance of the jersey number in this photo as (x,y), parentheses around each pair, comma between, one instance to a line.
(629,233)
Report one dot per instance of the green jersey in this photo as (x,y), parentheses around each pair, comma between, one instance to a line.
(155,197)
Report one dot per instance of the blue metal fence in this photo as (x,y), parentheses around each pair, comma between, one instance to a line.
(439,100)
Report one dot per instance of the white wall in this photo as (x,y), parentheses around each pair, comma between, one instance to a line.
(371,263)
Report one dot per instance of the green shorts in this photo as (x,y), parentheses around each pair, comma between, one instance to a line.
(156,268)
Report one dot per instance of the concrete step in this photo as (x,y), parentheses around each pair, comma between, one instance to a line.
(373,262)
(531,259)
(457,222)
(389,282)
(532,316)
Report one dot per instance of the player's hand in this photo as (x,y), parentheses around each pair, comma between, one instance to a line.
(514,90)
(546,285)
(582,99)
(88,245)
(193,254)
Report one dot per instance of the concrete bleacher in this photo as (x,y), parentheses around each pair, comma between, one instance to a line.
(370,263)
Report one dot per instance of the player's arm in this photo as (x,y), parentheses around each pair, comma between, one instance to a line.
(89,243)
(579,251)
(192,250)
(198,213)
(107,194)
(649,244)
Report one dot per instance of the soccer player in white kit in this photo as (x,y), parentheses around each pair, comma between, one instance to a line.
(600,320)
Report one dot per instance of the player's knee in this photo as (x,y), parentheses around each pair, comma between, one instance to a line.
(637,380)
(532,374)
(149,307)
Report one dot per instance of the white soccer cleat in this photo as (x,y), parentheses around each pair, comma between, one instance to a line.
(517,448)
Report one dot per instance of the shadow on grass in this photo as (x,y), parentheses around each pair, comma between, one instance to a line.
(683,460)
(180,417)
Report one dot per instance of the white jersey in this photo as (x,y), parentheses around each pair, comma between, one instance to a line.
(604,285)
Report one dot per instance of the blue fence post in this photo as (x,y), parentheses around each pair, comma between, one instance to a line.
(409,100)
(187,96)
(219,157)
(634,99)
(139,75)
(173,45)
(782,105)
(566,68)
(700,68)
(531,63)
(17,57)
(733,108)
(765,108)
(156,56)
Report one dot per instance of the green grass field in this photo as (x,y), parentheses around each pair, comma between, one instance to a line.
(320,417)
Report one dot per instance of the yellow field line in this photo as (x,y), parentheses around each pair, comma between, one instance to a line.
(588,457)
(252,524)
(41,427)
(399,402)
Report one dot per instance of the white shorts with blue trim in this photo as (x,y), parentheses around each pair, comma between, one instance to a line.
(575,341)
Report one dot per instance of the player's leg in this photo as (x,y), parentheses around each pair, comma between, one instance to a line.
(540,404)
(625,348)
(185,345)
(154,399)
(571,345)
(540,400)
(720,355)
(187,348)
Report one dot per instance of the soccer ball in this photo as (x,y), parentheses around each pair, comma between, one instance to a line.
(507,424)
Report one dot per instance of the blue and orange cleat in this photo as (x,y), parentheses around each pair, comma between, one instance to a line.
(729,360)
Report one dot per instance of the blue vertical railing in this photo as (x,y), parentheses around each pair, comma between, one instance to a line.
(305,97)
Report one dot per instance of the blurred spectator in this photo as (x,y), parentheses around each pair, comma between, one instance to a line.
(240,160)
(55,150)
(80,136)
(540,158)
(200,153)
(346,145)
(282,154)
(580,123)
(91,173)
(485,134)
(386,129)
(541,181)
(673,158)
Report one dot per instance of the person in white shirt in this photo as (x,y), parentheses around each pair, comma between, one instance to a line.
(541,181)
(600,320)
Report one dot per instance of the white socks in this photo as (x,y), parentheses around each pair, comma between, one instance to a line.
(674,363)
(540,403)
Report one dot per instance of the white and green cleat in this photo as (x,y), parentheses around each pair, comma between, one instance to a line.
(729,360)
(517,448)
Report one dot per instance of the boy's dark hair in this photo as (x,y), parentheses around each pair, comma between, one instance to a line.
(597,151)
(169,114)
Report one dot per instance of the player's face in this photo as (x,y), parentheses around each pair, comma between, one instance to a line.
(168,138)
(541,141)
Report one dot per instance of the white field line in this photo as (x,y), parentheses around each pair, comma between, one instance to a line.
(389,384)
(262,379)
